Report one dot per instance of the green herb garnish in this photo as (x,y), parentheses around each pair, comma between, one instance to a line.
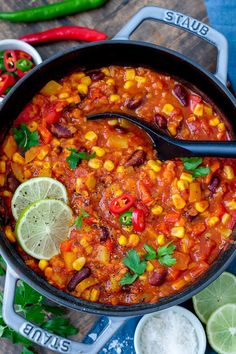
(192,164)
(76,156)
(24,138)
(79,221)
(133,262)
(163,254)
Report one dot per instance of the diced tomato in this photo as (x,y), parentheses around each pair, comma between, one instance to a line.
(182,260)
(26,115)
(193,100)
(51,116)
(199,269)
(66,246)
(144,193)
(45,133)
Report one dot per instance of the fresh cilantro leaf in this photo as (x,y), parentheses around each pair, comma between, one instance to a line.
(79,221)
(2,266)
(151,252)
(25,295)
(201,171)
(167,260)
(35,314)
(76,156)
(24,138)
(57,311)
(25,350)
(60,326)
(133,262)
(128,279)
(190,163)
(166,249)
(2,330)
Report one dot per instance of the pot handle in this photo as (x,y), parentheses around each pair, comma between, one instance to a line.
(186,23)
(43,337)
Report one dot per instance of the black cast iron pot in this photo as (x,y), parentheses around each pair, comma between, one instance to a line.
(119,51)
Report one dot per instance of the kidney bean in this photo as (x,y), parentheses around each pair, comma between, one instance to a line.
(120,129)
(78,277)
(96,75)
(136,159)
(134,103)
(214,183)
(181,94)
(156,278)
(12,182)
(104,233)
(60,131)
(160,120)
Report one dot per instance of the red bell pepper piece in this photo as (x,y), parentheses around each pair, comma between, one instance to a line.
(10,60)
(138,220)
(51,115)
(121,204)
(6,81)
(45,134)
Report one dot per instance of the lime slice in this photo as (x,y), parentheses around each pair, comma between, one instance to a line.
(221,329)
(42,227)
(36,189)
(222,291)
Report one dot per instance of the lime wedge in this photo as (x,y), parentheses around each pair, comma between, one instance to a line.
(35,189)
(42,227)
(222,291)
(221,329)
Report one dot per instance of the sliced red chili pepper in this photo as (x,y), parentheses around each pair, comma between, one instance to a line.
(20,73)
(138,220)
(22,55)
(10,60)
(122,203)
(5,82)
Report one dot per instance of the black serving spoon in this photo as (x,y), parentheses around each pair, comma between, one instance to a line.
(169,148)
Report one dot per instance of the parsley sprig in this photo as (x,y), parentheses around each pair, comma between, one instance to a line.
(163,254)
(24,138)
(76,156)
(79,221)
(31,305)
(133,262)
(192,164)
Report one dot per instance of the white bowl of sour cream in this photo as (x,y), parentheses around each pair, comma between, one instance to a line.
(172,331)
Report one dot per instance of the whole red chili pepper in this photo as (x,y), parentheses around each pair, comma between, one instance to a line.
(65,32)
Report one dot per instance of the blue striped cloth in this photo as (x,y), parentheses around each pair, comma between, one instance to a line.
(222,16)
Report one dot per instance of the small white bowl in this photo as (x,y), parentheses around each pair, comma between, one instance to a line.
(200,333)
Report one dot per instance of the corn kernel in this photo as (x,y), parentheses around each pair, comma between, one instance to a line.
(32,126)
(201,206)
(99,151)
(127,228)
(79,263)
(168,108)
(43,264)
(83,89)
(63,95)
(225,218)
(143,277)
(46,165)
(77,76)
(91,182)
(161,240)
(110,82)
(27,174)
(84,243)
(94,296)
(2,180)
(228,172)
(208,110)
(213,221)
(18,158)
(114,98)
(221,127)
(122,240)
(118,193)
(89,249)
(10,234)
(95,163)
(154,165)
(86,80)
(86,294)
(106,71)
(186,177)
(7,194)
(226,233)
(178,201)
(2,166)
(78,184)
(157,210)
(43,153)
(198,110)
(120,169)
(214,121)
(55,142)
(149,267)
(112,122)
(133,240)
(91,136)
(182,185)
(130,74)
(231,205)
(109,165)
(128,84)
(140,79)
(178,231)
(48,272)
(172,129)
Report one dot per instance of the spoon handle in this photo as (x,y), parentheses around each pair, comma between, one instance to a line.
(209,148)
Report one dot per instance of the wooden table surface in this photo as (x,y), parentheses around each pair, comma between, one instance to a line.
(110,18)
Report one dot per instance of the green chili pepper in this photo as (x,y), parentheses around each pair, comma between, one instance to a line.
(48,12)
(24,64)
(2,66)
(7,90)
(126,218)
(1,54)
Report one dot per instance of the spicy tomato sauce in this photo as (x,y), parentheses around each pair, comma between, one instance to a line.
(166,204)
